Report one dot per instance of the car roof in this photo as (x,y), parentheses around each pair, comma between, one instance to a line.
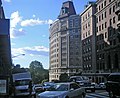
(116,73)
(65,83)
(76,77)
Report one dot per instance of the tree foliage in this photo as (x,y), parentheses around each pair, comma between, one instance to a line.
(38,72)
(63,77)
(18,69)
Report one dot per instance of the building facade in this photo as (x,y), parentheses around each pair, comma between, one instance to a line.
(65,55)
(88,38)
(108,42)
(5,48)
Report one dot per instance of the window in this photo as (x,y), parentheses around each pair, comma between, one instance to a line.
(99,18)
(102,16)
(96,20)
(83,35)
(105,34)
(110,11)
(89,32)
(110,21)
(83,28)
(104,3)
(99,28)
(96,9)
(113,19)
(96,29)
(118,17)
(88,24)
(88,14)
(99,7)
(86,34)
(102,27)
(105,14)
(105,24)
(114,8)
(83,18)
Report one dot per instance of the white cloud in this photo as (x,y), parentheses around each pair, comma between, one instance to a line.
(15,19)
(14,33)
(33,22)
(50,21)
(36,50)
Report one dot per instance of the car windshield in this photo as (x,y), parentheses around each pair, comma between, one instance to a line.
(76,79)
(85,78)
(59,87)
(48,84)
(114,78)
(21,82)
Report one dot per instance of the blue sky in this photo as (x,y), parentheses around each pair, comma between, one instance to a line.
(29,27)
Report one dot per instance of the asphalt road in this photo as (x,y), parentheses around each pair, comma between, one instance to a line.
(96,94)
(89,94)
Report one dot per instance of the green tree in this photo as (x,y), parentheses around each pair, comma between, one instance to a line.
(63,77)
(38,72)
(18,69)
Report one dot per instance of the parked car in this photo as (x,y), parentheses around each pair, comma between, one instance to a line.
(102,85)
(38,88)
(96,86)
(113,85)
(84,82)
(47,85)
(64,90)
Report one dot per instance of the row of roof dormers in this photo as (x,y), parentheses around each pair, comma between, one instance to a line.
(67,9)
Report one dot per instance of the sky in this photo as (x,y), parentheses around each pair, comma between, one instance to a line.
(29,27)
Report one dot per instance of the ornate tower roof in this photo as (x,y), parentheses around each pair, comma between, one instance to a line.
(2,15)
(67,10)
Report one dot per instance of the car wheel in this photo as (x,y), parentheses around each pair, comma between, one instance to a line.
(93,90)
(83,95)
(35,96)
(111,95)
(66,97)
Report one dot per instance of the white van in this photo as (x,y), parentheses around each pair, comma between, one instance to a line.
(21,84)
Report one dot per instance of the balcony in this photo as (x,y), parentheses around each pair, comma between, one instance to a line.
(117,10)
(118,24)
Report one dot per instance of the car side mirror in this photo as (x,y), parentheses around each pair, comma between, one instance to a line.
(71,89)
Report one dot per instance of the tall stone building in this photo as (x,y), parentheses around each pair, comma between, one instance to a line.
(107,41)
(65,55)
(5,48)
(88,38)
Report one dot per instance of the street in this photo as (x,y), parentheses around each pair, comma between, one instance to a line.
(97,94)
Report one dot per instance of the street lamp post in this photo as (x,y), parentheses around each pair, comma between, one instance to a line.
(18,55)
